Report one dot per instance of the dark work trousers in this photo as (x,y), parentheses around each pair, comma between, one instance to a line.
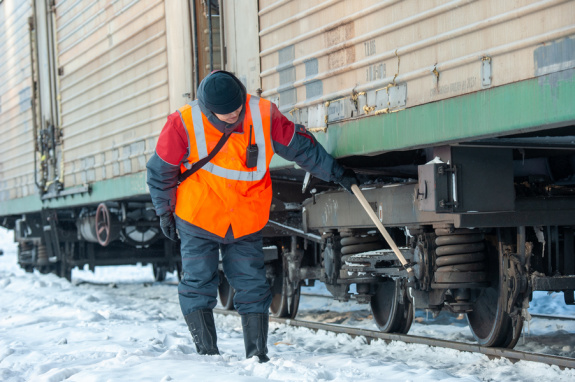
(243,263)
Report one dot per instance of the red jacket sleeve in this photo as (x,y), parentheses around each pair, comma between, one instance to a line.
(172,144)
(282,128)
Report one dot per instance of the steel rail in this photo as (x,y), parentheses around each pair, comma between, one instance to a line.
(551,317)
(369,335)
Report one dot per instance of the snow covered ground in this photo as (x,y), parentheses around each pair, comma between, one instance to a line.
(117,325)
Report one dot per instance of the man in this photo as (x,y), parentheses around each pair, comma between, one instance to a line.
(224,205)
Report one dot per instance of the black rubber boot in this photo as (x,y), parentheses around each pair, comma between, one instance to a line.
(255,327)
(203,329)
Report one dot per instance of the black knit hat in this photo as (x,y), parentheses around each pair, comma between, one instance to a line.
(221,93)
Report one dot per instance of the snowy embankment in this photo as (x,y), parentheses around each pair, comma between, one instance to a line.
(128,328)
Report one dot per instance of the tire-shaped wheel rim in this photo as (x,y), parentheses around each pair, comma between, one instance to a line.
(226,293)
(293,302)
(489,321)
(278,307)
(103,225)
(390,314)
(283,305)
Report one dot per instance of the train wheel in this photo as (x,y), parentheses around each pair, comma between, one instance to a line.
(226,293)
(283,305)
(391,314)
(490,321)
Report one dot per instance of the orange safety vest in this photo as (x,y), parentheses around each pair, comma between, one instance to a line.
(224,191)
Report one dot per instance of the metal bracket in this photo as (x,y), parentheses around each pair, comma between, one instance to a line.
(340,109)
(66,192)
(393,96)
(486,71)
(452,181)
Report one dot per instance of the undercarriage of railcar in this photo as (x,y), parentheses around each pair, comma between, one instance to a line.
(114,233)
(482,224)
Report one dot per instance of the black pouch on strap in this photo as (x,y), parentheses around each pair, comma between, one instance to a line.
(251,153)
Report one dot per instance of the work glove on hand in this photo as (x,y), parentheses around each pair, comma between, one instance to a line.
(348,178)
(168,226)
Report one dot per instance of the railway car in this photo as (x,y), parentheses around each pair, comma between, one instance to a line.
(457,115)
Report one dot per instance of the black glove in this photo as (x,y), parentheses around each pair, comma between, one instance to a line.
(348,179)
(168,226)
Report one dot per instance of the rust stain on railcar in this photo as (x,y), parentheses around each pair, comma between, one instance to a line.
(339,35)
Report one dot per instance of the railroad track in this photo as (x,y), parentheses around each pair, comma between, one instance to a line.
(370,335)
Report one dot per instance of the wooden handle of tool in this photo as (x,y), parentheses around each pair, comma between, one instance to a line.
(357,192)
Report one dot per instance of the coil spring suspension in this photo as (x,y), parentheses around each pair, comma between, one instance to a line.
(357,244)
(42,255)
(26,253)
(460,258)
(351,243)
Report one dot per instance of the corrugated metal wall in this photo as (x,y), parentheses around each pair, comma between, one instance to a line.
(242,42)
(323,60)
(395,54)
(16,128)
(113,85)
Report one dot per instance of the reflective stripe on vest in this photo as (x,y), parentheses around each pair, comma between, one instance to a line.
(201,145)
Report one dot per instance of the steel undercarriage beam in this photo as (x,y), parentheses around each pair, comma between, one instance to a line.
(116,261)
(393,205)
(396,206)
(556,283)
(528,212)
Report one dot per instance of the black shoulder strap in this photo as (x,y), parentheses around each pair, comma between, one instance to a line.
(199,164)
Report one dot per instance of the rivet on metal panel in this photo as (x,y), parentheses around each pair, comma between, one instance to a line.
(303,116)
(486,71)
